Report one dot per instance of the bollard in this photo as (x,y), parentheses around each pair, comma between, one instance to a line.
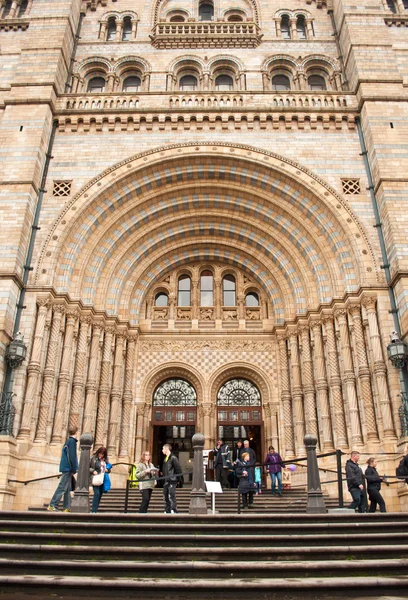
(198,504)
(315,502)
(80,501)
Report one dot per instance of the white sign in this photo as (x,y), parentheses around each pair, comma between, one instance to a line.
(214,487)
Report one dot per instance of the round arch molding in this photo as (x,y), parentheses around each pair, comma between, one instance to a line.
(240,370)
(269,215)
(170,371)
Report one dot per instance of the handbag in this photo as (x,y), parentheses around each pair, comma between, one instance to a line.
(97,480)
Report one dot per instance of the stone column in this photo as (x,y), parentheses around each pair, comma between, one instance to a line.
(92,381)
(242,81)
(134,29)
(104,388)
(110,83)
(80,501)
(364,374)
(172,306)
(293,32)
(308,384)
(195,299)
(297,393)
(241,306)
(206,81)
(286,398)
(102,31)
(77,398)
(278,28)
(119,31)
(124,447)
(349,377)
(116,395)
(64,377)
(315,502)
(335,383)
(142,410)
(13,9)
(49,373)
(198,504)
(323,407)
(309,28)
(218,298)
(380,369)
(33,369)
(206,413)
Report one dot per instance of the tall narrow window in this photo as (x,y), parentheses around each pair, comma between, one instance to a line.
(161,299)
(301,27)
(224,83)
(23,8)
(252,299)
(280,83)
(131,84)
(206,11)
(111,30)
(229,291)
(391,6)
(7,9)
(184,291)
(285,27)
(207,289)
(316,83)
(96,84)
(188,83)
(127,29)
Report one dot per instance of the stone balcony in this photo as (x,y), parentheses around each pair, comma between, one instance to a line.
(206,34)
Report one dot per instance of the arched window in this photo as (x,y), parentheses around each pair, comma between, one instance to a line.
(316,82)
(229,291)
(235,19)
(206,11)
(127,29)
(23,8)
(301,27)
(224,82)
(132,84)
(184,291)
(177,19)
(285,27)
(175,392)
(111,33)
(239,392)
(7,9)
(96,84)
(188,83)
(391,6)
(280,83)
(161,299)
(207,289)
(252,299)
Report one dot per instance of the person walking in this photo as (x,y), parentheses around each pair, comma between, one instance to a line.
(68,467)
(354,476)
(222,461)
(171,468)
(246,485)
(145,473)
(374,486)
(98,465)
(274,465)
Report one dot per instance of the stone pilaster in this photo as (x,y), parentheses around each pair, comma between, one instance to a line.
(78,386)
(104,388)
(286,397)
(297,395)
(91,387)
(124,449)
(322,390)
(116,395)
(308,384)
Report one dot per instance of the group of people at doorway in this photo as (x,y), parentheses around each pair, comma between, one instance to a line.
(246,471)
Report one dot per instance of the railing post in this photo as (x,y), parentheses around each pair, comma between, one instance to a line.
(315,502)
(339,454)
(127,496)
(80,501)
(198,504)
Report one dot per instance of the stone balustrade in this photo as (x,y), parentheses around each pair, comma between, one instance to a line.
(206,33)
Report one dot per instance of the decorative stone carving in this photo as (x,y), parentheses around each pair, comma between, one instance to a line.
(206,314)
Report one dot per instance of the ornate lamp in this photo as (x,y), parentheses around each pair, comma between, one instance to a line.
(16,351)
(14,355)
(398,355)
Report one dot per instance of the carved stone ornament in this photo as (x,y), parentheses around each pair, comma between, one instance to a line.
(238,392)
(206,314)
(175,392)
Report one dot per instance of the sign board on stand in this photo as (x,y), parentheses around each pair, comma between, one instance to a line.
(213,487)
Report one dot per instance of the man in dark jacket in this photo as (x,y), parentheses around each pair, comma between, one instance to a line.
(171,468)
(354,476)
(222,462)
(274,464)
(68,467)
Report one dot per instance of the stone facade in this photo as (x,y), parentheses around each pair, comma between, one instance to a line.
(150,143)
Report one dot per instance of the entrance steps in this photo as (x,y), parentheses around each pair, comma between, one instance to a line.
(211,556)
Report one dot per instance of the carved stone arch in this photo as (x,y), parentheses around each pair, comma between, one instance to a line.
(111,15)
(186,61)
(300,12)
(177,12)
(234,11)
(280,60)
(131,60)
(319,60)
(240,370)
(283,11)
(130,13)
(158,4)
(174,370)
(93,62)
(227,60)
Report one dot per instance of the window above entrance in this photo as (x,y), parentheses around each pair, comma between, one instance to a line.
(175,392)
(239,392)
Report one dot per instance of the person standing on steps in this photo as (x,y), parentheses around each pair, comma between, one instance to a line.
(374,486)
(246,485)
(222,461)
(274,464)
(236,455)
(68,467)
(354,476)
(171,468)
(98,464)
(145,473)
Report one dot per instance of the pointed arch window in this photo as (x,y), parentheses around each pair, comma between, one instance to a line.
(229,291)
(188,83)
(127,29)
(316,83)
(111,32)
(96,84)
(184,291)
(224,83)
(280,83)
(132,84)
(206,11)
(285,27)
(206,289)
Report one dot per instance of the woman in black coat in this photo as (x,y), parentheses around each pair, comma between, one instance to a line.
(374,486)
(246,485)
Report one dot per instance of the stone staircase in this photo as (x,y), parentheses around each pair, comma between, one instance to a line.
(212,556)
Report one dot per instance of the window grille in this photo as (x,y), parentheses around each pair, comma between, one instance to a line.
(175,392)
(61,189)
(238,392)
(351,186)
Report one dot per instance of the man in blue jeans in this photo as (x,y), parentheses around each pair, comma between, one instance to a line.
(274,464)
(68,467)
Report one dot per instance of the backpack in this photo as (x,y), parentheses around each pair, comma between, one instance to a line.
(402,470)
